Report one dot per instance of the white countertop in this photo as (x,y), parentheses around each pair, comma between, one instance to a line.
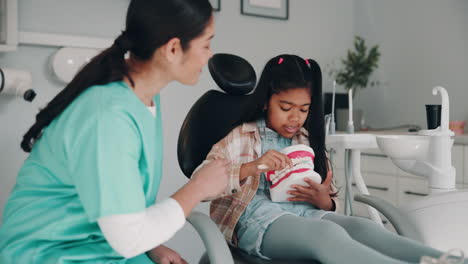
(459,139)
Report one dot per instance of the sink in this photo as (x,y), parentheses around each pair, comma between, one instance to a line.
(406,147)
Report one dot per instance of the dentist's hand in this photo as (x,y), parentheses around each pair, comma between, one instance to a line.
(212,178)
(314,193)
(209,180)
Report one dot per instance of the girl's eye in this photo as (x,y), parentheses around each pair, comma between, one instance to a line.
(304,110)
(285,109)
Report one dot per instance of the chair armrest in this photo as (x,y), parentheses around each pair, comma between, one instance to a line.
(400,222)
(215,244)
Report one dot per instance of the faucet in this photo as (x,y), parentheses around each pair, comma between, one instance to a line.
(444,122)
(438,164)
(443,129)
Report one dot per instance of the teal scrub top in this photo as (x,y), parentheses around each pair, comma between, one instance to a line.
(102,156)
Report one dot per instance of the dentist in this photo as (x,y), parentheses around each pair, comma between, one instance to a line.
(87,191)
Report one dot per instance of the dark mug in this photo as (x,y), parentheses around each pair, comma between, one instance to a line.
(433,113)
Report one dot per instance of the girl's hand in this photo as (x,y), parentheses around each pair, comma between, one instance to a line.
(315,193)
(165,255)
(272,160)
(212,178)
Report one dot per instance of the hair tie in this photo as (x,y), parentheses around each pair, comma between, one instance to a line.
(280,60)
(122,42)
(307,62)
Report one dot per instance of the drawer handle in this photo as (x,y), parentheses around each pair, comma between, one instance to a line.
(374,155)
(415,193)
(375,187)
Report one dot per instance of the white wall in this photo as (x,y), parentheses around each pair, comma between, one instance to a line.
(315,29)
(424,43)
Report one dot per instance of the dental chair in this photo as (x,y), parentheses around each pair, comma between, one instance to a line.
(210,119)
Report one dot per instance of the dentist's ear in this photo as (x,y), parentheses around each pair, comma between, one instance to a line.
(172,50)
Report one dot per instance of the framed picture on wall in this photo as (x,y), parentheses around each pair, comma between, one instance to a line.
(216,4)
(277,9)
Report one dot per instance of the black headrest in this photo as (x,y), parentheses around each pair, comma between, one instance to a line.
(216,113)
(232,74)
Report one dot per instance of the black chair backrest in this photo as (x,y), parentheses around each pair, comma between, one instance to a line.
(216,113)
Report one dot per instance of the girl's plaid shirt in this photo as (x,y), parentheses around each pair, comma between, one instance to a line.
(240,146)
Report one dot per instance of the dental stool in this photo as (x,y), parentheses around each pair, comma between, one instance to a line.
(211,118)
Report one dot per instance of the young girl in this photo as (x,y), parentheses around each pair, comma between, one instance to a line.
(87,192)
(288,111)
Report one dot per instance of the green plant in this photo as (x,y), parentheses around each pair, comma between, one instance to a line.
(358,66)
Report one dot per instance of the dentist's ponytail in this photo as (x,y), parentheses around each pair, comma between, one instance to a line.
(149,25)
(106,67)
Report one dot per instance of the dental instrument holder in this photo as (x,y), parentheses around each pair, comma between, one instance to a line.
(353,144)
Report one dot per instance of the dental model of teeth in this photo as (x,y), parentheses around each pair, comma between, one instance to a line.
(302,157)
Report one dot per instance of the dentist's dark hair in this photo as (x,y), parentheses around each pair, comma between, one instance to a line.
(285,72)
(149,25)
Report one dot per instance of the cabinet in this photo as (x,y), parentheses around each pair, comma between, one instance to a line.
(411,189)
(385,180)
(465,168)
